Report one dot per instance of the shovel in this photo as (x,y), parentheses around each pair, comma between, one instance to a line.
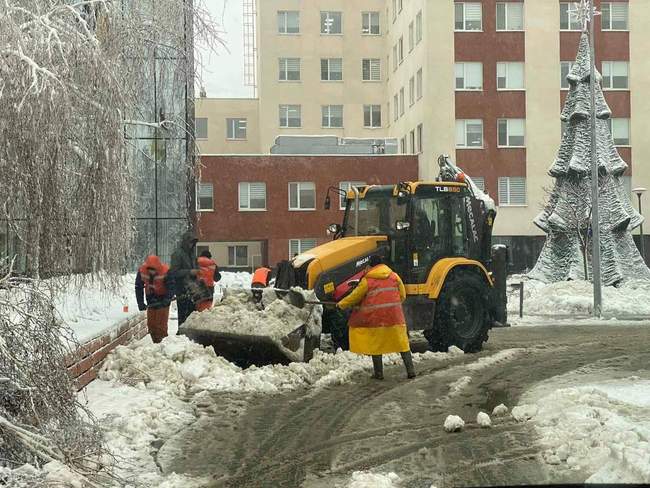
(298,300)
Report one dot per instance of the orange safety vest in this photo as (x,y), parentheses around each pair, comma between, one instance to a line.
(261,276)
(207,267)
(382,305)
(155,285)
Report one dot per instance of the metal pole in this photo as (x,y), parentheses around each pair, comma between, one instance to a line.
(642,247)
(595,222)
(357,204)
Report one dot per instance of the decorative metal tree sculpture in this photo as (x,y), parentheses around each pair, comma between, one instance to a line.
(566,218)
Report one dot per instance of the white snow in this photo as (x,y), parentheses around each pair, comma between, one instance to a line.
(500,410)
(365,479)
(483,419)
(602,428)
(453,423)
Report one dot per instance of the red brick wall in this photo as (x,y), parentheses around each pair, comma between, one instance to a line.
(278,224)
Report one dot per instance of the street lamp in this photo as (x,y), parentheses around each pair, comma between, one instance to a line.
(639,192)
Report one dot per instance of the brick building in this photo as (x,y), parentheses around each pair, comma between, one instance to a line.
(259,210)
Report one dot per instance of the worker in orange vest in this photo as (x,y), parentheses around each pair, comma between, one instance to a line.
(261,278)
(203,289)
(377,325)
(154,282)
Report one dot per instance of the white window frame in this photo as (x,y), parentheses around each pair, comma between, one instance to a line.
(372,109)
(612,65)
(464,123)
(394,10)
(508,122)
(402,102)
(411,36)
(465,21)
(372,63)
(418,27)
(412,142)
(287,108)
(323,29)
(395,58)
(402,145)
(196,135)
(283,69)
(418,84)
(301,245)
(412,91)
(329,69)
(230,121)
(506,202)
(613,122)
(507,65)
(400,50)
(299,186)
(420,135)
(608,5)
(479,181)
(368,16)
(572,22)
(347,186)
(326,113)
(285,14)
(400,4)
(463,66)
(234,264)
(563,78)
(247,207)
(396,108)
(507,6)
(199,187)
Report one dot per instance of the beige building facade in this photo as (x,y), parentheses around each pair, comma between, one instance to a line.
(465,78)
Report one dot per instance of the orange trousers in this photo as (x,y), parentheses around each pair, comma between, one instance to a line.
(157,323)
(204,305)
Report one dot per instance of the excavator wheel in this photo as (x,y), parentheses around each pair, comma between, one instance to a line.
(461,317)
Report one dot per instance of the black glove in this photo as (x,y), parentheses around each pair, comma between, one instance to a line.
(142,307)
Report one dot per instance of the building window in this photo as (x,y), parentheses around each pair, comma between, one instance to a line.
(252,195)
(402,145)
(298,246)
(289,69)
(394,10)
(290,116)
(479,181)
(238,256)
(331,69)
(418,84)
(302,196)
(620,129)
(510,16)
(400,49)
(469,76)
(568,20)
(204,200)
(469,133)
(332,116)
(371,69)
(418,27)
(420,143)
(614,16)
(288,22)
(615,75)
(372,116)
(411,36)
(236,129)
(201,127)
(412,141)
(331,23)
(401,101)
(395,57)
(400,4)
(511,132)
(347,186)
(510,76)
(512,190)
(412,91)
(396,108)
(469,16)
(370,23)
(565,69)
(388,114)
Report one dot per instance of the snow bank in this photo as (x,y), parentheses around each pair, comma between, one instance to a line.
(500,410)
(576,298)
(483,419)
(453,423)
(366,479)
(601,428)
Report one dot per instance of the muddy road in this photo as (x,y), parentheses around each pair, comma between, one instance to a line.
(315,439)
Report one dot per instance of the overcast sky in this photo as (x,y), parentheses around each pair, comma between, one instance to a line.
(223,73)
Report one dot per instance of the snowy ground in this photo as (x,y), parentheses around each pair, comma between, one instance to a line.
(574,299)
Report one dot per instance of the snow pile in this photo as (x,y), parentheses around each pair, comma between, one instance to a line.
(483,420)
(602,429)
(500,410)
(365,479)
(576,298)
(453,423)
(230,279)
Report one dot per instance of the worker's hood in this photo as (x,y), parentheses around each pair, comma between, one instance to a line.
(379,272)
(154,262)
(333,254)
(188,241)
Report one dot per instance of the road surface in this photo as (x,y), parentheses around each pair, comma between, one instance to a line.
(315,439)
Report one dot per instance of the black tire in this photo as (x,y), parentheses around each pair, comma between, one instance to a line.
(461,317)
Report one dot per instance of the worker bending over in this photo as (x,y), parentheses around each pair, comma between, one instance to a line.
(154,281)
(377,325)
(203,288)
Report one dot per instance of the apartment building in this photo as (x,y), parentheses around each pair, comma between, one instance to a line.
(482,80)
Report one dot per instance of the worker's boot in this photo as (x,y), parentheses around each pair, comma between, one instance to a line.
(407,357)
(378,367)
